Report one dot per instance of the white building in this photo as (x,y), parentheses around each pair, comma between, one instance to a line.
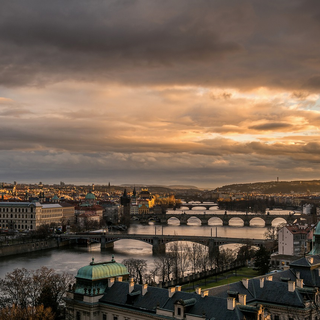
(294,240)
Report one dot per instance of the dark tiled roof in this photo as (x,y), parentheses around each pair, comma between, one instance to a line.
(211,307)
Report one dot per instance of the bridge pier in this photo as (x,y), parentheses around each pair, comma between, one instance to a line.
(268,223)
(158,247)
(104,244)
(204,222)
(213,249)
(246,223)
(225,222)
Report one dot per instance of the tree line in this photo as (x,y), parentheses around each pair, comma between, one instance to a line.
(182,258)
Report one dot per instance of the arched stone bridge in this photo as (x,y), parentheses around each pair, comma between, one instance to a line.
(159,242)
(205,217)
(207,206)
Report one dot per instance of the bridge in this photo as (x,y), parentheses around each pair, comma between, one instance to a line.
(207,206)
(224,218)
(159,242)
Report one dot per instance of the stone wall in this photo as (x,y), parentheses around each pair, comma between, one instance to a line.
(36,245)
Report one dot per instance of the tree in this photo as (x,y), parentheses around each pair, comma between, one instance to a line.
(262,260)
(137,268)
(179,252)
(245,253)
(163,265)
(29,313)
(23,288)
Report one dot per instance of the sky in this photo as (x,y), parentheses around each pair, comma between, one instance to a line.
(190,92)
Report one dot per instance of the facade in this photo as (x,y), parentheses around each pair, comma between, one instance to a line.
(68,213)
(30,215)
(294,240)
(20,215)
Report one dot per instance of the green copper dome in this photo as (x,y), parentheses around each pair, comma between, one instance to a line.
(90,196)
(102,270)
(317,231)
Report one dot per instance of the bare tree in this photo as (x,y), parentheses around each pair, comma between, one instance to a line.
(194,256)
(23,288)
(137,268)
(164,267)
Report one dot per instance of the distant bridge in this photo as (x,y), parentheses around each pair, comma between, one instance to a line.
(225,218)
(159,242)
(207,206)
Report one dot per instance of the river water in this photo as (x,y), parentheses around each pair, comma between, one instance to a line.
(70,259)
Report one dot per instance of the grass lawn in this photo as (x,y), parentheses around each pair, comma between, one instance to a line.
(225,278)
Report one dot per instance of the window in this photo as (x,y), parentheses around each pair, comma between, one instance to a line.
(179,311)
(115,317)
(78,316)
(104,317)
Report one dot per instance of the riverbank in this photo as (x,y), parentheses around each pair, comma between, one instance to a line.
(19,247)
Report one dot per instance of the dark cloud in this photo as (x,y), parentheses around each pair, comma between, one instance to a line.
(271,126)
(224,43)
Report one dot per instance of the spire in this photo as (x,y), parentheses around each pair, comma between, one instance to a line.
(125,193)
(134,191)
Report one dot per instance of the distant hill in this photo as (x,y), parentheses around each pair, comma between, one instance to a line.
(303,187)
(182,187)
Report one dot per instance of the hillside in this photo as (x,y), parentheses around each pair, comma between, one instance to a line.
(302,187)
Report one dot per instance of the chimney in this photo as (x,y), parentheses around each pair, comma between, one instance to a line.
(131,284)
(171,291)
(242,299)
(198,290)
(231,303)
(310,259)
(261,282)
(204,293)
(119,279)
(299,283)
(178,288)
(110,282)
(269,278)
(298,274)
(245,282)
(144,289)
(291,286)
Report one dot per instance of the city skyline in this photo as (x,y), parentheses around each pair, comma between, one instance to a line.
(203,93)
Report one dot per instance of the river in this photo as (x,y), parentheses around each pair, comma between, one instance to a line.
(70,259)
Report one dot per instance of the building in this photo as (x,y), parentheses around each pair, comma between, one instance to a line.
(20,215)
(68,213)
(294,240)
(285,295)
(30,215)
(101,293)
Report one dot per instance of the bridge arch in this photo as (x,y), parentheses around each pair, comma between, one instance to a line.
(215,221)
(173,221)
(257,221)
(276,221)
(193,220)
(235,221)
(198,207)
